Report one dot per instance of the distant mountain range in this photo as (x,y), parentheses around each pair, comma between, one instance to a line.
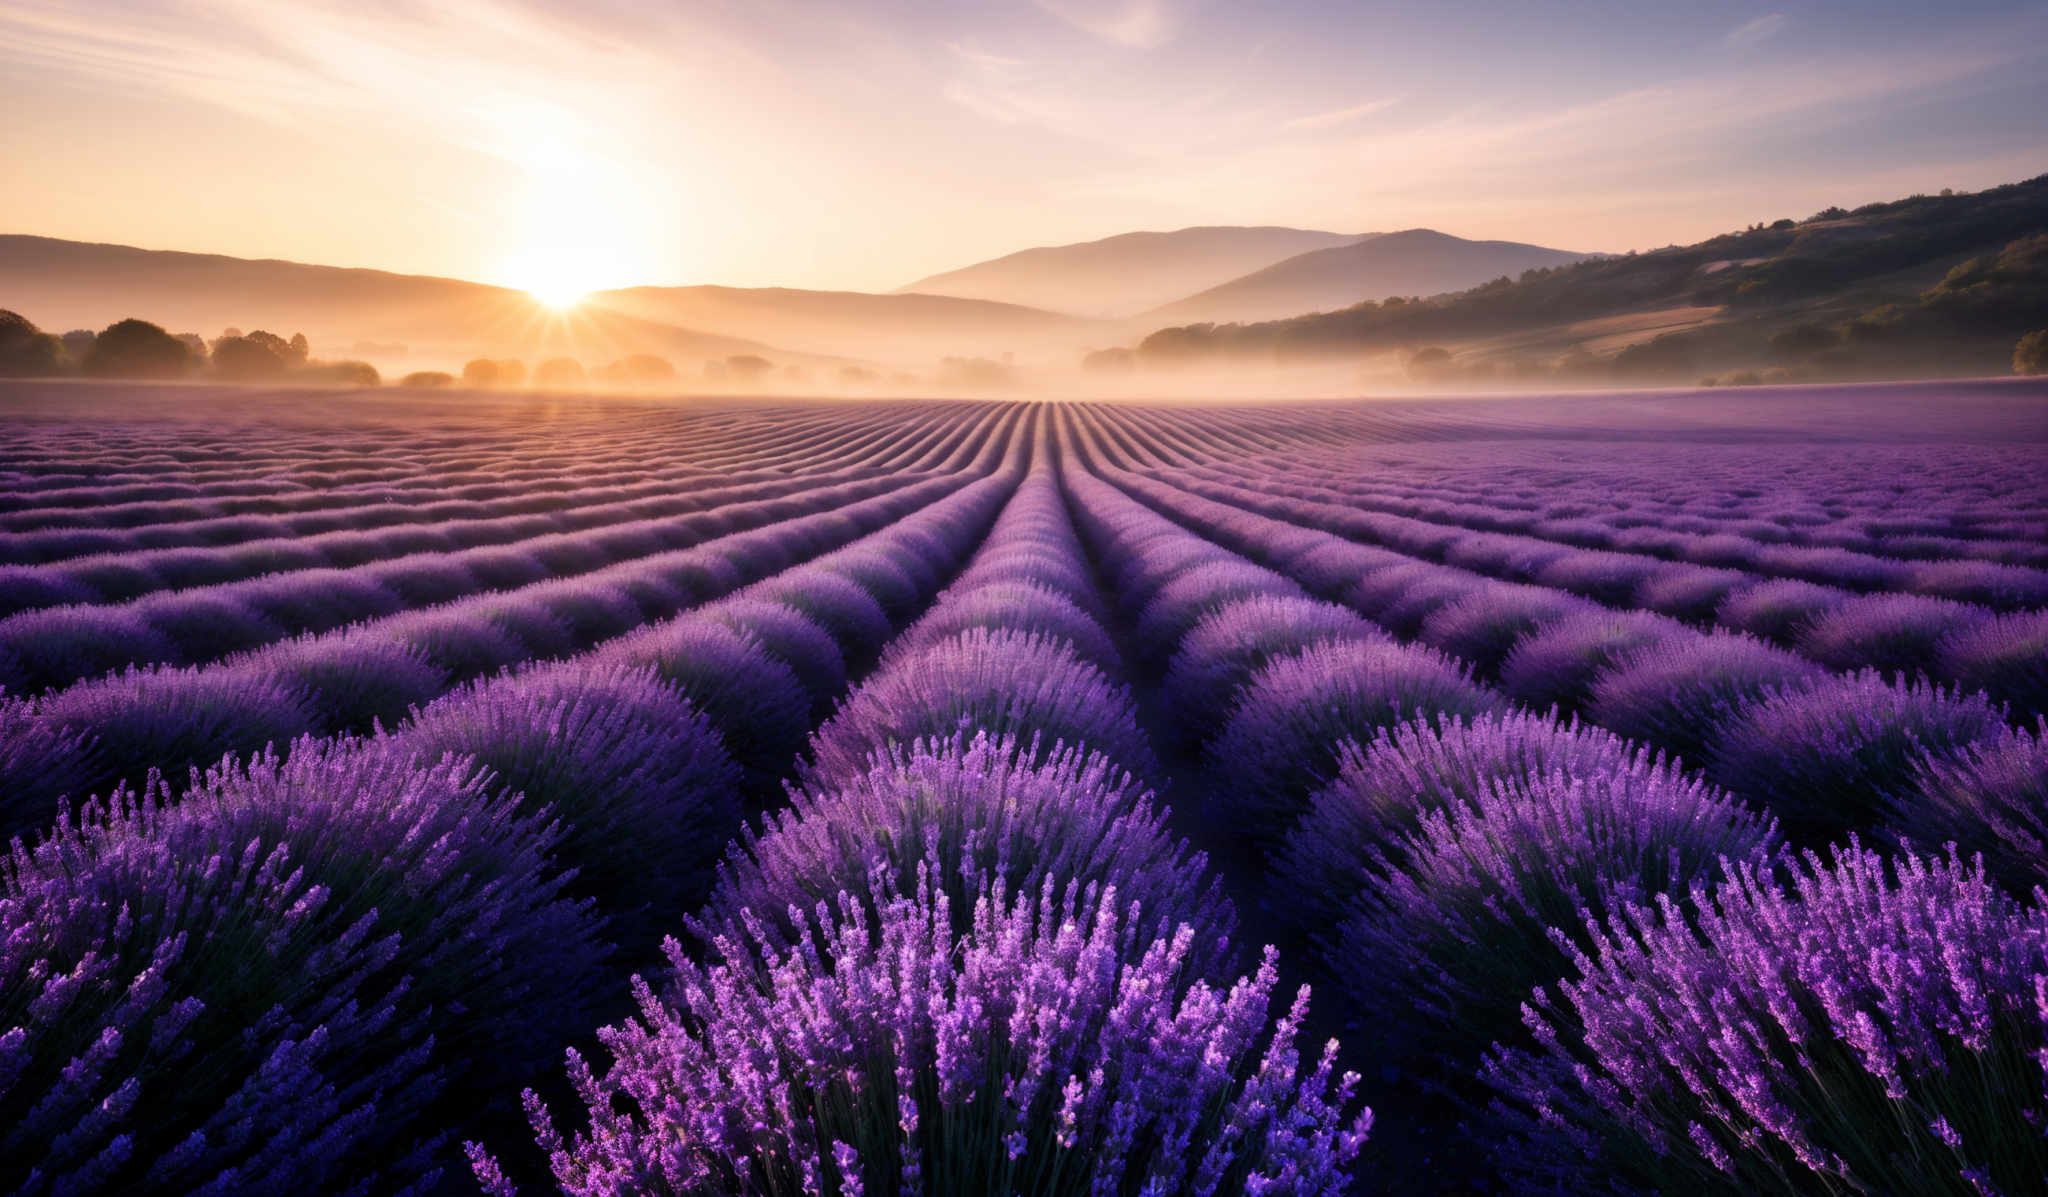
(1126,275)
(1412,262)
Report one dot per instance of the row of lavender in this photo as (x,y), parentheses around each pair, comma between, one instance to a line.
(1615,973)
(968,958)
(296,973)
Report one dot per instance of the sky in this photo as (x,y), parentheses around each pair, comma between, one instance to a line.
(865,143)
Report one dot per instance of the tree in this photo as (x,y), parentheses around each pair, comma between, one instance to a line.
(342,374)
(2030,356)
(1429,362)
(747,366)
(480,372)
(511,371)
(196,344)
(26,349)
(248,359)
(78,343)
(300,348)
(559,372)
(639,369)
(137,349)
(427,379)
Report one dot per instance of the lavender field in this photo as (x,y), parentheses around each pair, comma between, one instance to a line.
(455,793)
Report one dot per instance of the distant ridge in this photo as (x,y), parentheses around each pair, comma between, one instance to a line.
(1129,273)
(1410,262)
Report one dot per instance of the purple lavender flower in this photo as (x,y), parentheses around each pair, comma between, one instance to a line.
(1456,920)
(1007,683)
(1895,633)
(641,782)
(1484,626)
(1779,609)
(1873,1027)
(1016,606)
(1383,789)
(1035,1055)
(2007,656)
(1221,654)
(1679,694)
(755,702)
(1557,663)
(1284,737)
(275,984)
(1991,800)
(987,811)
(1822,755)
(1195,595)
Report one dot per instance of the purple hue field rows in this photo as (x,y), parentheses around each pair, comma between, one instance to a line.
(432,796)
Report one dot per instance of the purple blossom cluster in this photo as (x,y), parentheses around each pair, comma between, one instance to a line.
(1863,1026)
(1040,1053)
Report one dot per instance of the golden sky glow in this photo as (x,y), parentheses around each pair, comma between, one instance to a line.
(565,147)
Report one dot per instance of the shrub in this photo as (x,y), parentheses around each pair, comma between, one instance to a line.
(1689,592)
(1020,685)
(1990,800)
(1383,789)
(462,643)
(62,645)
(985,812)
(2007,656)
(1893,633)
(1873,1028)
(759,708)
(427,380)
(353,681)
(1779,609)
(42,762)
(1018,606)
(641,783)
(836,603)
(1187,600)
(175,720)
(1458,920)
(1224,651)
(1678,694)
(1822,755)
(268,986)
(1483,627)
(1285,735)
(204,626)
(1556,664)
(26,350)
(788,635)
(1031,1057)
(2030,355)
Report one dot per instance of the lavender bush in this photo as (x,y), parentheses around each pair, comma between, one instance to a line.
(1822,755)
(1020,685)
(640,782)
(1680,694)
(268,986)
(1382,791)
(1228,647)
(1991,800)
(1870,1027)
(1895,633)
(1285,735)
(1557,663)
(2007,656)
(1452,924)
(1033,1056)
(986,811)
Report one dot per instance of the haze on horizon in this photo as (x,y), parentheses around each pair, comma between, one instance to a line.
(863,145)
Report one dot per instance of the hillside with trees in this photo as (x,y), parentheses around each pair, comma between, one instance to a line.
(1926,285)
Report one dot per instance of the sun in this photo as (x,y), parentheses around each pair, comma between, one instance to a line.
(559,294)
(559,278)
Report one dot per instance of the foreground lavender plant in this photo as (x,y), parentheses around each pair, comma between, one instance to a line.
(1037,1056)
(988,815)
(260,988)
(1874,1028)
(1990,799)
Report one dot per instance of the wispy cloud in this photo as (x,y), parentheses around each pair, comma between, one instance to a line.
(1139,24)
(1340,116)
(1757,30)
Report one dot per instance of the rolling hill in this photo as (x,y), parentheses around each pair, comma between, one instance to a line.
(440,321)
(903,327)
(1130,273)
(1923,286)
(1411,262)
